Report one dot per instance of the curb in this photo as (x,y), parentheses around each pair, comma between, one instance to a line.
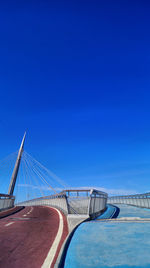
(11,211)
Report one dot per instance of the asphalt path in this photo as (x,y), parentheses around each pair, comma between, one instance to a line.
(32,237)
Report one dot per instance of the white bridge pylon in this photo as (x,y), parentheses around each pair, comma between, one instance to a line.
(16,168)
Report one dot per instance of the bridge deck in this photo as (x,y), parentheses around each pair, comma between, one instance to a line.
(27,237)
(104,243)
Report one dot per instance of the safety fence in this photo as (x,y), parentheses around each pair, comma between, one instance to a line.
(6,201)
(138,200)
(87,202)
(58,201)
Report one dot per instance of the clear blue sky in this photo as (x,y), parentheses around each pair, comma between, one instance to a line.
(76,76)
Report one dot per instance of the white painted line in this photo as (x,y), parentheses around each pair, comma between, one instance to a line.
(51,254)
(9,223)
(29,211)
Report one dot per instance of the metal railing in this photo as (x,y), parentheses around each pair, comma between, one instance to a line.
(58,201)
(138,200)
(6,201)
(73,201)
(85,201)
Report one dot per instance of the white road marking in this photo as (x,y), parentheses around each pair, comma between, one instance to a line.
(30,211)
(9,223)
(52,252)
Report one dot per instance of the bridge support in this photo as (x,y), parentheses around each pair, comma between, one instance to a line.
(16,168)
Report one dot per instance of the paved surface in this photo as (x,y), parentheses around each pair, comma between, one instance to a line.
(27,237)
(74,220)
(103,243)
(10,211)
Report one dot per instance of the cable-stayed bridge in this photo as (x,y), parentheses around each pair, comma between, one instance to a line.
(33,184)
(38,212)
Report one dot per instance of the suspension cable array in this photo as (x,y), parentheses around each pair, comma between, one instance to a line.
(34,179)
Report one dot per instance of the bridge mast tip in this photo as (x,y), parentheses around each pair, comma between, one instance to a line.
(22,143)
(16,168)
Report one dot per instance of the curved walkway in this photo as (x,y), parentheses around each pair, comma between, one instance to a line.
(104,243)
(27,237)
(110,213)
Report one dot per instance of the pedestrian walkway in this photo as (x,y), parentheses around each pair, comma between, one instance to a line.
(103,243)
